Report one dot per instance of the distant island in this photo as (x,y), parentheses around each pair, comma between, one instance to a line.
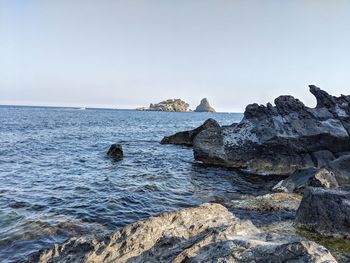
(178,105)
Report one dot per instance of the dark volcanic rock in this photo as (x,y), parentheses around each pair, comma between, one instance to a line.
(279,139)
(326,211)
(341,168)
(302,179)
(116,151)
(204,106)
(186,137)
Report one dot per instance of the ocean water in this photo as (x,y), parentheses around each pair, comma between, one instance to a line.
(57,182)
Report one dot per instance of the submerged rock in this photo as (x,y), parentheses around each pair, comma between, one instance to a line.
(204,106)
(177,105)
(325,211)
(116,152)
(279,139)
(186,137)
(302,179)
(208,233)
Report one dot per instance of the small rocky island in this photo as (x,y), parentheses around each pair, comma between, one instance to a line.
(170,105)
(204,106)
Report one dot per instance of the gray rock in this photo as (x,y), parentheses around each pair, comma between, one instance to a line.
(341,169)
(208,233)
(116,152)
(326,211)
(279,139)
(302,179)
(186,137)
(171,105)
(322,158)
(204,106)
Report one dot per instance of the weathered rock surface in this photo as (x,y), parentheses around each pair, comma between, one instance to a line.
(268,202)
(341,168)
(279,139)
(326,211)
(302,179)
(186,137)
(208,233)
(116,152)
(177,105)
(204,106)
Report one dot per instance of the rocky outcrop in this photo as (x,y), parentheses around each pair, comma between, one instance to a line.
(325,211)
(116,152)
(208,233)
(279,139)
(341,168)
(171,105)
(302,179)
(186,137)
(204,106)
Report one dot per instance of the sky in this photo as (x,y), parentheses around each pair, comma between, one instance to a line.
(129,53)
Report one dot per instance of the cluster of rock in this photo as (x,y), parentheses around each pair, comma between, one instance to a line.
(178,105)
(208,233)
(170,105)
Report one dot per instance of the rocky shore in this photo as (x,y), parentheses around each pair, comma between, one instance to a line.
(308,147)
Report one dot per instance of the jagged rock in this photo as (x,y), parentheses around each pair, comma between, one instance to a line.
(279,139)
(302,179)
(116,151)
(268,202)
(322,158)
(326,211)
(204,106)
(186,137)
(177,105)
(341,169)
(208,233)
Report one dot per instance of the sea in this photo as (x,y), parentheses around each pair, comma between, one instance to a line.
(57,182)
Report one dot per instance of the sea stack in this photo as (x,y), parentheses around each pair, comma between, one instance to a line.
(204,106)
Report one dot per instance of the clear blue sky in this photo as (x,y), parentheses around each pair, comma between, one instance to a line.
(129,53)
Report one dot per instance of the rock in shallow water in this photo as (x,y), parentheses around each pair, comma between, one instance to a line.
(326,211)
(116,152)
(208,233)
(279,139)
(186,137)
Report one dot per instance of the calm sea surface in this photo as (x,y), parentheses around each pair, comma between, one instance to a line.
(57,182)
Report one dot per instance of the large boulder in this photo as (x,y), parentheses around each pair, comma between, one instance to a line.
(326,211)
(279,139)
(171,105)
(208,233)
(204,106)
(302,179)
(186,137)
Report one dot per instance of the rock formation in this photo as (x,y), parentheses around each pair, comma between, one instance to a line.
(171,105)
(208,233)
(116,152)
(279,139)
(302,179)
(204,106)
(186,137)
(326,211)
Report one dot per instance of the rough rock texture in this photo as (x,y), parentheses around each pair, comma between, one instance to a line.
(279,139)
(168,105)
(326,211)
(208,233)
(116,151)
(341,168)
(302,179)
(268,202)
(186,137)
(204,106)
